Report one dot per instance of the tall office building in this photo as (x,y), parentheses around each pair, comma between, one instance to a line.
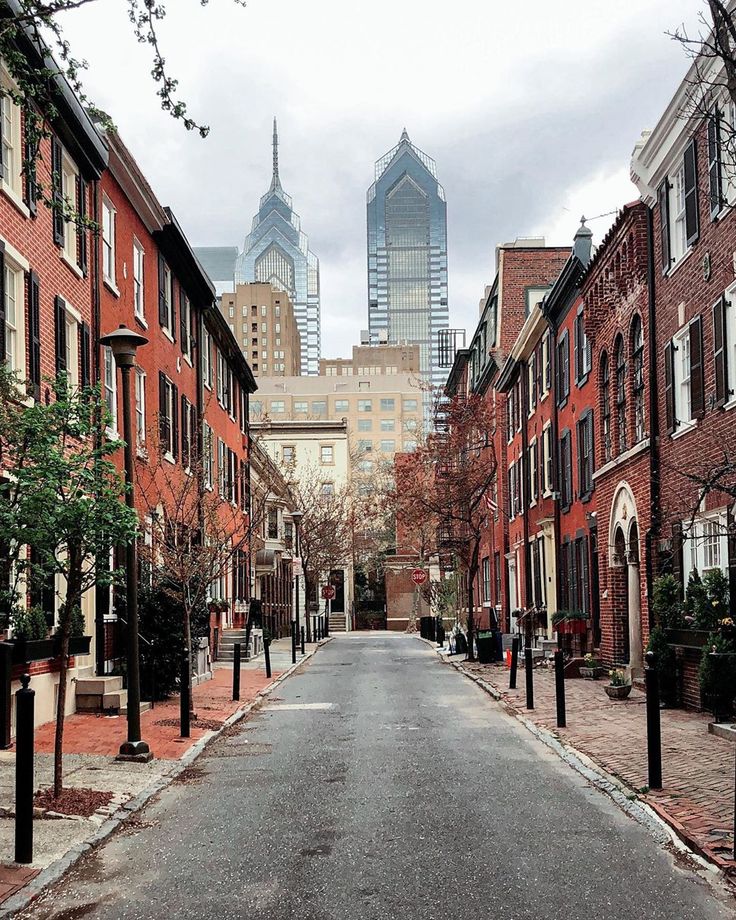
(407,255)
(277,252)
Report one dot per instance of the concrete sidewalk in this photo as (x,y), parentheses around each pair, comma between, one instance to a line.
(697,798)
(91,742)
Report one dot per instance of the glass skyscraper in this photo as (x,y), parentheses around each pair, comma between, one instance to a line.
(277,251)
(407,255)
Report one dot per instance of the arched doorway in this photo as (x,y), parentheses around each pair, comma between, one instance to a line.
(626,578)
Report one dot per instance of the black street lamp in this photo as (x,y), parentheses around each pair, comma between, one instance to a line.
(296,517)
(124,343)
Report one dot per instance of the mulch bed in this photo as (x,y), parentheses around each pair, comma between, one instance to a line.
(209,725)
(80,802)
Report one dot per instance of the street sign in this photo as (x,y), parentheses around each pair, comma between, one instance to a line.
(419,576)
(328,592)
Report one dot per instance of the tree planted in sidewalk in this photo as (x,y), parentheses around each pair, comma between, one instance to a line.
(61,507)
(449,481)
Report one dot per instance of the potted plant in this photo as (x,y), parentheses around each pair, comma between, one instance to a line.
(591,669)
(619,687)
(30,639)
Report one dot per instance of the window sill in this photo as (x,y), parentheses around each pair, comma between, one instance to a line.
(112,434)
(581,381)
(622,458)
(685,428)
(168,335)
(72,265)
(188,360)
(14,198)
(142,454)
(141,321)
(111,286)
(731,404)
(169,458)
(678,262)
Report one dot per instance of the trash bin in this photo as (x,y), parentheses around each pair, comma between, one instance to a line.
(461,644)
(486,644)
(440,633)
(498,644)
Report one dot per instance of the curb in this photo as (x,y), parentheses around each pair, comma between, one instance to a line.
(54,872)
(665,829)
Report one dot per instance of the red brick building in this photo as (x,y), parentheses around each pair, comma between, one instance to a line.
(617,312)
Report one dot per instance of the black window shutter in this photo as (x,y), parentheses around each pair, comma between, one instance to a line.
(566,364)
(183,330)
(697,383)
(568,467)
(731,526)
(175,420)
(163,408)
(720,358)
(34,333)
(184,431)
(162,308)
(3,344)
(57,197)
(30,153)
(669,387)
(715,187)
(60,335)
(82,227)
(663,197)
(85,374)
(578,349)
(173,311)
(691,193)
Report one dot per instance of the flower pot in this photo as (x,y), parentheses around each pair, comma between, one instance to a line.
(687,638)
(25,650)
(78,645)
(592,673)
(618,693)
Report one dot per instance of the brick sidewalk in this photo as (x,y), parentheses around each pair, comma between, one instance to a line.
(697,768)
(97,734)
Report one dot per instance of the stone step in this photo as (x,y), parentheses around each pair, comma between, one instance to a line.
(87,686)
(144,707)
(116,700)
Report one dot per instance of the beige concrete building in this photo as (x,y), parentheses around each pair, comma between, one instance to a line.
(373,361)
(383,413)
(261,318)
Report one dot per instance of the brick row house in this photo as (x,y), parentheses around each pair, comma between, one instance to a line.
(62,286)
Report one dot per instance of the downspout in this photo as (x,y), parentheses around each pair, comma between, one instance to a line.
(95,333)
(554,428)
(654,468)
(525,483)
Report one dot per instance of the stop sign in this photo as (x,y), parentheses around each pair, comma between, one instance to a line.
(328,592)
(418,576)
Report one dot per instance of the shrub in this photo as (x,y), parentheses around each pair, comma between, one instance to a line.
(717,599)
(718,675)
(696,600)
(161,621)
(665,664)
(29,624)
(667,602)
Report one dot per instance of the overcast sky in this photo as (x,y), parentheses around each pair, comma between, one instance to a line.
(531,111)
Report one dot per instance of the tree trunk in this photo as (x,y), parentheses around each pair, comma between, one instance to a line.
(73,600)
(307,615)
(471,618)
(188,651)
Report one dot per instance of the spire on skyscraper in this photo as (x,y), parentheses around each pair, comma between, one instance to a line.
(275,181)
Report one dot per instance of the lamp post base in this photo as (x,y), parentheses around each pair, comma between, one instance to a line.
(135,752)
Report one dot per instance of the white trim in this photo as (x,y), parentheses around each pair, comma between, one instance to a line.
(10,251)
(630,454)
(14,198)
(72,265)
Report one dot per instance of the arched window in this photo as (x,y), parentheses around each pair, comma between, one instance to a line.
(637,364)
(621,418)
(606,407)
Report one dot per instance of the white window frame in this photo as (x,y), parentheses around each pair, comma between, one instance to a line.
(703,538)
(185,320)
(207,358)
(140,407)
(678,230)
(681,346)
(11,178)
(533,481)
(110,387)
(109,215)
(16,333)
(729,344)
(208,459)
(139,275)
(73,322)
(545,365)
(546,458)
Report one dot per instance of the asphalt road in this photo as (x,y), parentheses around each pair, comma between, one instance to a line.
(402,791)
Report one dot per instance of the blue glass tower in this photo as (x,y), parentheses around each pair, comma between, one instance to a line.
(407,255)
(277,251)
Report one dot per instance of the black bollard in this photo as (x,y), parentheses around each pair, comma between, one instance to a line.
(560,688)
(185,703)
(236,671)
(24,779)
(514,662)
(267,655)
(326,629)
(293,642)
(529,675)
(302,638)
(654,730)
(734,816)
